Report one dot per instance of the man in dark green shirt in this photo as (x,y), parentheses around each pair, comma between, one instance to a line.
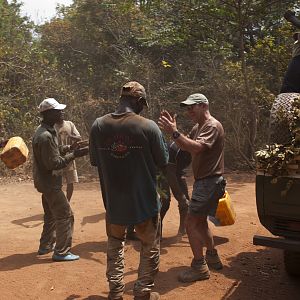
(127,149)
(47,165)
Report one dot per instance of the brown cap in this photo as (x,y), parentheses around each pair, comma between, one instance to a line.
(134,89)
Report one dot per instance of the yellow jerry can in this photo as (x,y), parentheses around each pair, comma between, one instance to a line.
(15,152)
(225,213)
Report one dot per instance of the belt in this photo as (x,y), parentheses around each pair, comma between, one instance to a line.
(210,176)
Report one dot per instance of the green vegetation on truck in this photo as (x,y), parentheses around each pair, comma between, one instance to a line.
(278,182)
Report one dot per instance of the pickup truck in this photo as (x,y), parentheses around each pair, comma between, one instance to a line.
(278,207)
(278,199)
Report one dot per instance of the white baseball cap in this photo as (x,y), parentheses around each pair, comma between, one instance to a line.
(50,103)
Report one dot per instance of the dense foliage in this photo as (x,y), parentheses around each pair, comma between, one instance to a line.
(278,159)
(234,51)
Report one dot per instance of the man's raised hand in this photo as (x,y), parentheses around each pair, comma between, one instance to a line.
(167,122)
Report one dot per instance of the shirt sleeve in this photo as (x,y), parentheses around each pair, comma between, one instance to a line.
(74,130)
(208,136)
(192,133)
(93,145)
(159,147)
(51,157)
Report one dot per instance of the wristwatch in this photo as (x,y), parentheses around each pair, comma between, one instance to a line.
(175,135)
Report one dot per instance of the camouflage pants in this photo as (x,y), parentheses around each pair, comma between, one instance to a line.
(149,235)
(175,181)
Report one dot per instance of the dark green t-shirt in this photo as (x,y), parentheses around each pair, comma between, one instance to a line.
(127,149)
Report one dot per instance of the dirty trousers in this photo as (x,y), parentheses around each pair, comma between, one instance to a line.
(178,185)
(58,222)
(149,235)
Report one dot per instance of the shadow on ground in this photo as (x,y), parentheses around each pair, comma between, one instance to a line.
(88,249)
(37,220)
(92,219)
(19,261)
(30,222)
(271,280)
(175,241)
(91,297)
(266,266)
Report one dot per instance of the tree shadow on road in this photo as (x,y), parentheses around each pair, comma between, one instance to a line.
(30,222)
(255,275)
(260,275)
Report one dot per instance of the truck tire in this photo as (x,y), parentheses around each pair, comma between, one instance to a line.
(280,118)
(292,262)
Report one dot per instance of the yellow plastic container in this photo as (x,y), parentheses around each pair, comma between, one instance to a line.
(225,213)
(15,152)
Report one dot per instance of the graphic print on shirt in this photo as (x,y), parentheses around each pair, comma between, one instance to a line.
(120,146)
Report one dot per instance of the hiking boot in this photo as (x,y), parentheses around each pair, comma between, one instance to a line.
(198,271)
(67,257)
(150,296)
(213,260)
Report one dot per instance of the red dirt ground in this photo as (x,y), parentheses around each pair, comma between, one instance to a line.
(250,272)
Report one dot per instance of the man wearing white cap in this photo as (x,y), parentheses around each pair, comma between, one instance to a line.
(48,161)
(206,144)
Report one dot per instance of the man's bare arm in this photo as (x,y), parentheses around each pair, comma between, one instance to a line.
(187,144)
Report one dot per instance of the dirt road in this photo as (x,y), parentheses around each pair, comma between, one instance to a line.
(249,272)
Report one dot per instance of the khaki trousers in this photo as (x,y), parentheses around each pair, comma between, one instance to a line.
(58,222)
(149,235)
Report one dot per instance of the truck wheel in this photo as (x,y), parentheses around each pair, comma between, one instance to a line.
(280,118)
(292,262)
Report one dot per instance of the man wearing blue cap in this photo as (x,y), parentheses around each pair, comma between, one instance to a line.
(206,145)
